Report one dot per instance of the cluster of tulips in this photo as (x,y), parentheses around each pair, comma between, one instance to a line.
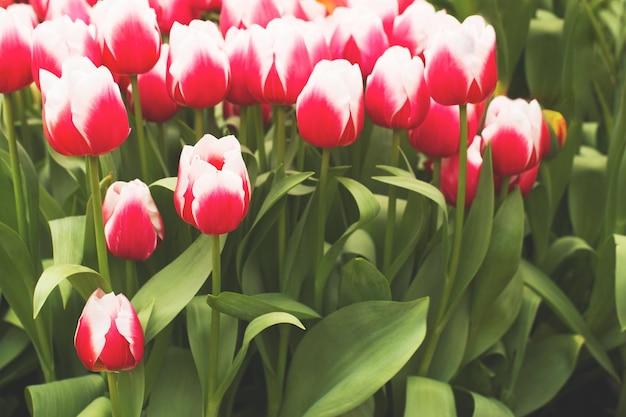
(406,66)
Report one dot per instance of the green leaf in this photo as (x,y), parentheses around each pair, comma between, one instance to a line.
(245,307)
(350,354)
(177,390)
(620,279)
(484,406)
(548,364)
(562,249)
(566,311)
(428,398)
(14,341)
(362,281)
(452,344)
(68,236)
(131,388)
(173,287)
(100,407)
(85,280)
(64,398)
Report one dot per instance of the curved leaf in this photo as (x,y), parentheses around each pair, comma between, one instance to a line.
(362,281)
(246,307)
(100,407)
(350,354)
(620,279)
(427,397)
(563,248)
(63,398)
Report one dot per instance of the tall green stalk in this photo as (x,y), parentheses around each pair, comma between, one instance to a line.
(213,403)
(391,204)
(279,148)
(16,170)
(96,199)
(116,407)
(259,132)
(199,123)
(141,135)
(243,125)
(321,228)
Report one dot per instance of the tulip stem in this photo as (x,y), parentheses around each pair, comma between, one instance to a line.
(243,125)
(213,402)
(260,137)
(114,394)
(276,386)
(504,189)
(141,138)
(443,314)
(321,229)
(391,203)
(279,134)
(436,179)
(199,123)
(131,278)
(96,200)
(16,170)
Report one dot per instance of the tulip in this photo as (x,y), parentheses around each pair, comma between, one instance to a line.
(525,181)
(54,9)
(156,103)
(128,34)
(279,63)
(450,174)
(438,135)
(213,189)
(83,112)
(513,127)
(309,10)
(330,109)
(170,11)
(314,40)
(16,32)
(387,10)
(109,336)
(359,37)
(237,46)
(132,224)
(396,95)
(461,61)
(198,71)
(243,14)
(413,27)
(557,127)
(56,40)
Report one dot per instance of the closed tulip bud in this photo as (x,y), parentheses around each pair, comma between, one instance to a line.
(242,14)
(461,61)
(314,40)
(279,63)
(82,112)
(330,109)
(16,32)
(213,189)
(438,135)
(513,127)
(128,34)
(359,37)
(396,95)
(198,71)
(237,45)
(387,10)
(132,223)
(109,336)
(412,28)
(54,9)
(170,11)
(309,10)
(56,40)
(450,174)
(524,181)
(557,126)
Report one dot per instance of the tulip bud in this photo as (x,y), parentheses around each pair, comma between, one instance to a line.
(53,9)
(133,227)
(242,14)
(557,126)
(83,112)
(16,32)
(396,95)
(412,28)
(213,189)
(450,174)
(329,111)
(237,46)
(109,336)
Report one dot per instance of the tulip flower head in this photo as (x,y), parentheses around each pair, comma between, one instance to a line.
(128,34)
(461,61)
(242,14)
(133,227)
(330,109)
(514,129)
(56,40)
(82,112)
(16,32)
(237,44)
(109,336)
(198,71)
(396,95)
(450,174)
(413,27)
(213,189)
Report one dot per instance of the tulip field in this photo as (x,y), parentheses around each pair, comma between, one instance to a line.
(312,208)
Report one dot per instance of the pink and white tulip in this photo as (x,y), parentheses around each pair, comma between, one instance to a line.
(83,112)
(237,44)
(109,336)
(412,29)
(16,32)
(450,174)
(243,14)
(213,189)
(54,9)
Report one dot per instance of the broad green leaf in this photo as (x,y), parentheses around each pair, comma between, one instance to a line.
(131,388)
(620,279)
(85,280)
(548,364)
(245,307)
(563,248)
(362,281)
(67,397)
(538,213)
(602,302)
(100,407)
(68,235)
(173,287)
(503,254)
(169,183)
(367,409)
(428,398)
(482,406)
(452,344)
(350,354)
(13,343)
(177,391)
(566,311)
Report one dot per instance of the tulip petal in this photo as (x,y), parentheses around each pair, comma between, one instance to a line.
(221,189)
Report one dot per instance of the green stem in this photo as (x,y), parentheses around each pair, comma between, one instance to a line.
(26,139)
(141,138)
(504,190)
(16,170)
(211,122)
(213,402)
(391,204)
(199,123)
(321,228)
(436,180)
(279,134)
(275,395)
(131,279)
(114,395)
(442,313)
(260,137)
(96,200)
(243,125)
(161,139)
